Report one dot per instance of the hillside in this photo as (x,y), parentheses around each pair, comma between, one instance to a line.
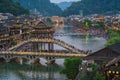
(93,7)
(7,6)
(44,7)
(64,5)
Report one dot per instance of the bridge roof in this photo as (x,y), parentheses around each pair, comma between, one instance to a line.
(41,24)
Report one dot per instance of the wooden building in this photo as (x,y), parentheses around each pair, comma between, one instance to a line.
(42,30)
(112,69)
(105,54)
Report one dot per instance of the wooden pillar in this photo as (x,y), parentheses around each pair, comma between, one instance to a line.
(32,47)
(40,46)
(49,47)
(52,46)
(37,46)
(44,46)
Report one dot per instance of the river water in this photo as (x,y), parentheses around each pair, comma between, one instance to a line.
(13,71)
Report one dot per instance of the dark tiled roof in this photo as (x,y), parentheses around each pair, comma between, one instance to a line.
(115,47)
(114,68)
(117,59)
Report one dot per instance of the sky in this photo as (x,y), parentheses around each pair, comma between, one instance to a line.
(58,1)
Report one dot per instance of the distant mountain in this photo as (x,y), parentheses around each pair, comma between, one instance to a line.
(8,6)
(44,7)
(93,7)
(64,5)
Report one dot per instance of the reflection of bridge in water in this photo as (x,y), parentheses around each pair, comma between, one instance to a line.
(32,72)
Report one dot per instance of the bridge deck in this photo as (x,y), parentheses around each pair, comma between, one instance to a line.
(43,54)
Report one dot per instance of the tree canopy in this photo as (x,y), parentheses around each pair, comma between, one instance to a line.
(93,7)
(114,37)
(8,6)
(44,7)
(71,67)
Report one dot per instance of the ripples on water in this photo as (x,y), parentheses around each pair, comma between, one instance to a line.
(82,42)
(13,71)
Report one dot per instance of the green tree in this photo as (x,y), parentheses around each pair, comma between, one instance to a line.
(99,25)
(87,24)
(8,6)
(99,76)
(93,7)
(114,37)
(71,68)
(44,7)
(90,75)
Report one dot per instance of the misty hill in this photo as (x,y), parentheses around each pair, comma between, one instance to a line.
(93,7)
(44,7)
(8,6)
(64,5)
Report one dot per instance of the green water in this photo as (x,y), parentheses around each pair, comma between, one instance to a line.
(14,71)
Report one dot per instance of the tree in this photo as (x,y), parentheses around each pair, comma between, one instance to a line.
(99,76)
(99,25)
(87,24)
(44,7)
(93,7)
(92,75)
(71,68)
(8,6)
(114,37)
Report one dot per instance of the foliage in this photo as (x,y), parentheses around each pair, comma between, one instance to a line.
(99,76)
(93,75)
(8,6)
(87,24)
(44,7)
(93,7)
(99,25)
(114,37)
(94,67)
(71,67)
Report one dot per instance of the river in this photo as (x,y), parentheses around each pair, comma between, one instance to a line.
(12,71)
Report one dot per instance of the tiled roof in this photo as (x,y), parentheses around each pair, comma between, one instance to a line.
(115,47)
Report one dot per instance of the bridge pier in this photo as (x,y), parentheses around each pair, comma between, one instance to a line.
(20,60)
(32,60)
(50,60)
(7,60)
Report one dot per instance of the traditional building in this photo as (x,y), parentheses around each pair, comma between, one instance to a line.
(105,54)
(42,30)
(112,69)
(4,38)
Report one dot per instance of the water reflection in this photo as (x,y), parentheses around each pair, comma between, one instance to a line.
(82,42)
(87,38)
(12,71)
